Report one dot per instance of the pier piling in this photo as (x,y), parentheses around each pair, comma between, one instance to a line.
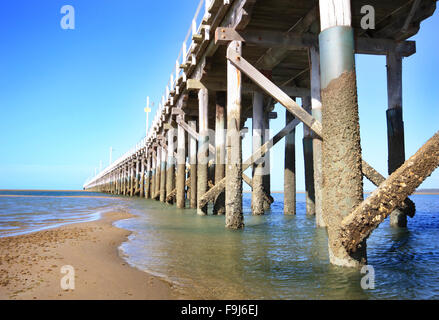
(234,216)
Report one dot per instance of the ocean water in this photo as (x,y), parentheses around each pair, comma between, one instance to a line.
(29,211)
(274,257)
(278,256)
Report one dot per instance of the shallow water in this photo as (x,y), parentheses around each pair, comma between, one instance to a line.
(280,257)
(274,257)
(29,211)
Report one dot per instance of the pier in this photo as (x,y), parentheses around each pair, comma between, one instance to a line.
(239,59)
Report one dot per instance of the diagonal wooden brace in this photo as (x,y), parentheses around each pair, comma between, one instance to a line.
(371,212)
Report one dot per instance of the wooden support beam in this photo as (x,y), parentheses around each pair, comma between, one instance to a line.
(290,169)
(162,188)
(153,174)
(234,170)
(170,164)
(395,127)
(266,179)
(142,177)
(257,204)
(193,165)
(316,111)
(308,162)
(137,177)
(148,176)
(157,172)
(181,166)
(203,147)
(194,85)
(132,178)
(277,39)
(220,149)
(357,226)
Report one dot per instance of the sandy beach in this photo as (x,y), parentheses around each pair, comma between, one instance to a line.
(30,265)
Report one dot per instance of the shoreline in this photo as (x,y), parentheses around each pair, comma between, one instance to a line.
(30,264)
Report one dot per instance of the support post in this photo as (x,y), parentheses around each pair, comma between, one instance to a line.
(163,175)
(203,147)
(123,178)
(258,125)
(290,169)
(308,162)
(181,165)
(153,173)
(266,179)
(148,175)
(193,166)
(158,172)
(220,150)
(137,177)
(234,216)
(316,111)
(341,148)
(170,165)
(132,178)
(395,127)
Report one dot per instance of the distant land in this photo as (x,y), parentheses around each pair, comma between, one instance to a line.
(427,191)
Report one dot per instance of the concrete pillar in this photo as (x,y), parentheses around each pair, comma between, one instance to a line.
(181,165)
(341,148)
(258,125)
(308,162)
(193,166)
(395,127)
(203,149)
(234,216)
(290,169)
(220,150)
(316,110)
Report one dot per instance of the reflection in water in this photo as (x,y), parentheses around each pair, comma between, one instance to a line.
(279,257)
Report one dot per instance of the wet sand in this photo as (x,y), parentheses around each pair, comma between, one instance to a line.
(30,265)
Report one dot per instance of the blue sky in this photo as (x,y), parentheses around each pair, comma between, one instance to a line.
(66,96)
